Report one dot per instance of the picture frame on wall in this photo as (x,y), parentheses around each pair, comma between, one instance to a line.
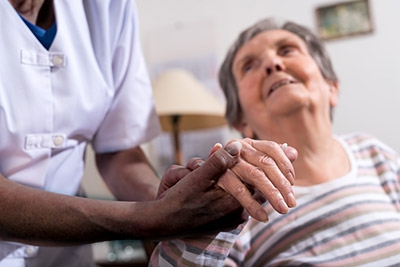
(344,19)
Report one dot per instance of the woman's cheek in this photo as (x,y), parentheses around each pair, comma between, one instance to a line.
(249,86)
(247,96)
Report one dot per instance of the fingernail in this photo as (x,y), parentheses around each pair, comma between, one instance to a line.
(283,207)
(234,148)
(284,146)
(199,164)
(262,215)
(218,145)
(290,177)
(291,201)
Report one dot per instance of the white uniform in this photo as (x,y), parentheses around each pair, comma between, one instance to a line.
(90,86)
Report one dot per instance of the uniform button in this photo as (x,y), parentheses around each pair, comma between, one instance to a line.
(57,60)
(58,140)
(30,250)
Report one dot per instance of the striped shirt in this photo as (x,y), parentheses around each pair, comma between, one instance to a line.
(353,220)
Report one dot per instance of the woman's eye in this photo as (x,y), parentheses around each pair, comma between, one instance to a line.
(287,50)
(247,67)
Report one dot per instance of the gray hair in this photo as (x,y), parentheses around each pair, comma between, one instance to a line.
(227,80)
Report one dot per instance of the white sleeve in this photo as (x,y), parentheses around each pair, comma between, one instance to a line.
(131,119)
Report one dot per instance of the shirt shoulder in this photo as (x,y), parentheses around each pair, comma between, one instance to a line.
(366,143)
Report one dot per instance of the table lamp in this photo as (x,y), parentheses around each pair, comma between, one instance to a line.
(183,104)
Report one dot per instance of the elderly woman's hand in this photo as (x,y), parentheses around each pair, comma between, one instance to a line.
(264,168)
(267,168)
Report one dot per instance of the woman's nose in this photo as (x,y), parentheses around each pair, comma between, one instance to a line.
(273,65)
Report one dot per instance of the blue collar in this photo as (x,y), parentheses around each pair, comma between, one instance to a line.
(45,37)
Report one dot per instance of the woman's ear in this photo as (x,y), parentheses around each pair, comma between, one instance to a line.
(334,93)
(244,129)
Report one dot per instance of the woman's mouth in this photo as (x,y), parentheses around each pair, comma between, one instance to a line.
(278,85)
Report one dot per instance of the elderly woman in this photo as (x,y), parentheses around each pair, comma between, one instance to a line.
(280,86)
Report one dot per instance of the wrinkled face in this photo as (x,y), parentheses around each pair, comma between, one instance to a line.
(278,79)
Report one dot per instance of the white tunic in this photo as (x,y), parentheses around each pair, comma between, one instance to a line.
(90,86)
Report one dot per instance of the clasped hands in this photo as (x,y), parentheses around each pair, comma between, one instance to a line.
(237,177)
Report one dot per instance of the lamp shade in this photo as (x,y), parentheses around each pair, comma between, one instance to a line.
(178,93)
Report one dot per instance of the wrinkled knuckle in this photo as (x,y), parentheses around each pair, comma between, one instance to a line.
(274,193)
(255,172)
(218,161)
(286,187)
(266,161)
(248,140)
(239,190)
(194,163)
(273,145)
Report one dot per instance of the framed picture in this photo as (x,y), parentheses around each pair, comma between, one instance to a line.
(344,19)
